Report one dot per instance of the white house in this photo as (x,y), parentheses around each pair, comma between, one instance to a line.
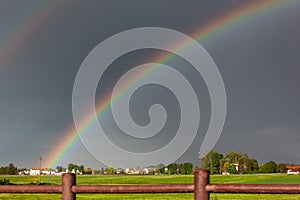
(25,172)
(293,169)
(236,165)
(34,172)
(48,172)
(37,172)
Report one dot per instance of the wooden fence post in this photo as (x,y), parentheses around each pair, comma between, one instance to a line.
(201,179)
(68,181)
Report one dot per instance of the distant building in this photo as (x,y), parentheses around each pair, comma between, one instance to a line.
(37,172)
(293,169)
(147,170)
(236,165)
(76,171)
(133,171)
(24,172)
(48,172)
(34,172)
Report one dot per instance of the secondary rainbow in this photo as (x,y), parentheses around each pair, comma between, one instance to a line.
(15,36)
(239,16)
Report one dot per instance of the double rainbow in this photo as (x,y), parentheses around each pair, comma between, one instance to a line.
(14,38)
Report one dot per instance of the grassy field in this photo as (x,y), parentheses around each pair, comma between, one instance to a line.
(163,179)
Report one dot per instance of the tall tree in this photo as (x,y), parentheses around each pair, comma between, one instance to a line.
(59,169)
(172,168)
(238,162)
(81,169)
(102,170)
(235,157)
(111,170)
(161,168)
(11,169)
(188,167)
(253,164)
(268,167)
(88,171)
(212,161)
(76,168)
(282,168)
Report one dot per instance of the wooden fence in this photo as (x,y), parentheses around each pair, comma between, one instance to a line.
(201,188)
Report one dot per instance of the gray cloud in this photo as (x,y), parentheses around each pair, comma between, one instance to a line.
(258,60)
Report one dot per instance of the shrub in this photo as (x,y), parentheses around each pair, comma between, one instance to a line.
(4,182)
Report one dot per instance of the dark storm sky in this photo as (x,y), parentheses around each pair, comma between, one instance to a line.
(258,59)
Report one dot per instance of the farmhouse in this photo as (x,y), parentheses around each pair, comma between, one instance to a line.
(24,172)
(37,172)
(293,169)
(34,172)
(48,172)
(147,170)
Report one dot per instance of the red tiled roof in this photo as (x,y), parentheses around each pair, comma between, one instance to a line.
(293,167)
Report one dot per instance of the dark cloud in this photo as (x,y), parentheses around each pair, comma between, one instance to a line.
(258,60)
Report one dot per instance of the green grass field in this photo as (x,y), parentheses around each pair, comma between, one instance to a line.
(163,179)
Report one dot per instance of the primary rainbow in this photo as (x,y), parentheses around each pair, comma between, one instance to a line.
(241,15)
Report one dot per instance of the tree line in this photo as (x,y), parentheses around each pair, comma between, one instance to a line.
(174,168)
(10,169)
(74,167)
(236,162)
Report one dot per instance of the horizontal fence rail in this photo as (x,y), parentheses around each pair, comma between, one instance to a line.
(30,189)
(201,188)
(254,188)
(168,188)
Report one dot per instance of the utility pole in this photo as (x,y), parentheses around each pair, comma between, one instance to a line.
(210,161)
(40,159)
(199,160)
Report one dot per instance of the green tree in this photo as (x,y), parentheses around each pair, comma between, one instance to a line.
(212,161)
(11,169)
(111,170)
(234,156)
(282,168)
(268,167)
(250,165)
(72,166)
(59,169)
(241,162)
(226,167)
(181,169)
(81,169)
(188,167)
(232,169)
(88,171)
(102,170)
(253,164)
(161,168)
(237,158)
(172,168)
(185,168)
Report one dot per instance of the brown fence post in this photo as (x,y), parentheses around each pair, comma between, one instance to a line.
(68,180)
(201,179)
